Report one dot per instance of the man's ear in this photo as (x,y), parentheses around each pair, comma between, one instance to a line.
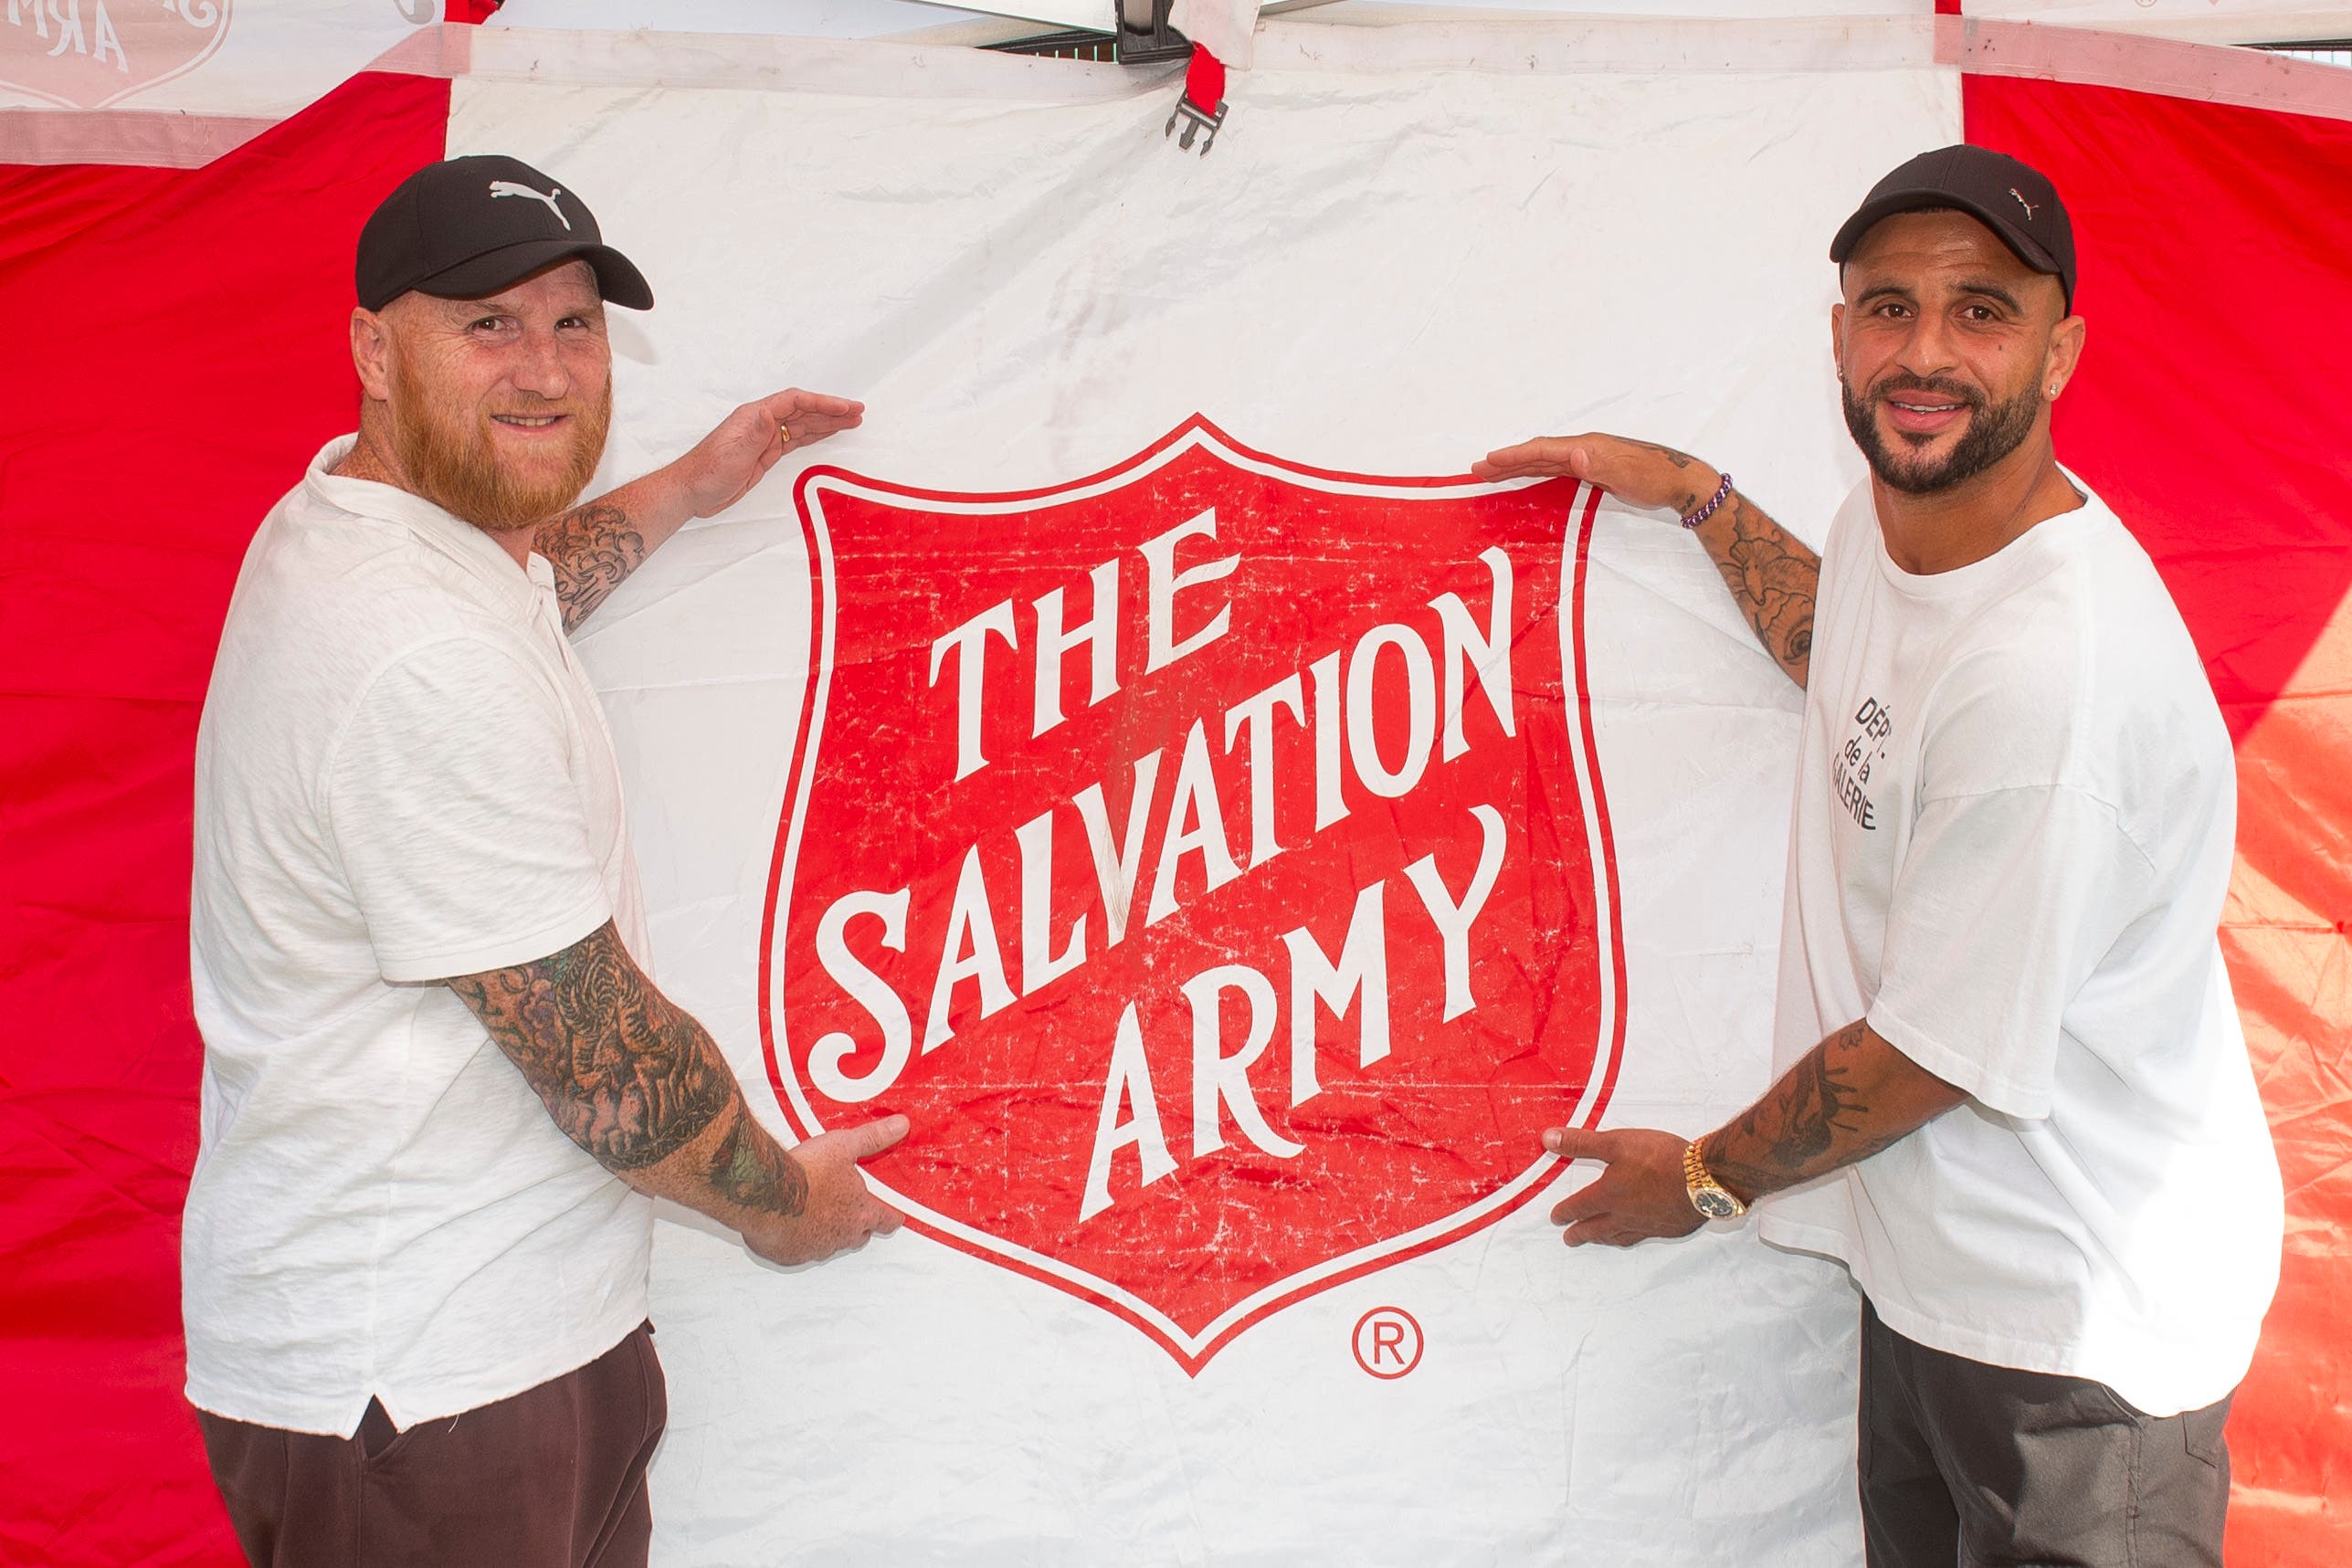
(371,355)
(2065,354)
(1837,338)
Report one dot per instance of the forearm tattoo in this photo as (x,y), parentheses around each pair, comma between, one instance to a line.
(750,1169)
(1772,577)
(592,549)
(1770,572)
(628,1075)
(1813,1121)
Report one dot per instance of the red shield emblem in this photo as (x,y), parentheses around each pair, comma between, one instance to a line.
(1209,857)
(86,54)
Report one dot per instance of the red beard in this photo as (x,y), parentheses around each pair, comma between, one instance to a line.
(453,463)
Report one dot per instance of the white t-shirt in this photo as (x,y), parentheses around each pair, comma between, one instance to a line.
(402,776)
(2015,819)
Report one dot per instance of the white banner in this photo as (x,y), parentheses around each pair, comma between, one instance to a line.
(1377,272)
(250,58)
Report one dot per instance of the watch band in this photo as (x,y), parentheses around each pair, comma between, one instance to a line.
(1709,1197)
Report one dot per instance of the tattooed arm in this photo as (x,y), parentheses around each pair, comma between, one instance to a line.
(639,1086)
(1852,1096)
(1772,574)
(593,547)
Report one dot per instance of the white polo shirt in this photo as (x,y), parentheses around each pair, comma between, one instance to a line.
(402,776)
(2015,817)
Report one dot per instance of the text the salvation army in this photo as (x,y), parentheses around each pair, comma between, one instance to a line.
(1398,667)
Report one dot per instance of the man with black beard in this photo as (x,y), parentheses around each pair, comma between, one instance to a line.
(2013,1097)
(440,1088)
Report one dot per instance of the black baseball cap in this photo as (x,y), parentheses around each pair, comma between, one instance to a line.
(2014,200)
(465,228)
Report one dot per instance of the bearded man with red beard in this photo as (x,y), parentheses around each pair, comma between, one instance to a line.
(440,1088)
(2013,1096)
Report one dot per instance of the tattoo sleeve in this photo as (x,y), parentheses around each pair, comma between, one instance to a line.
(631,1078)
(592,549)
(1773,577)
(1853,1096)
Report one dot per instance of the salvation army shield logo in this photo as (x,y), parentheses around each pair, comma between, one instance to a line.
(86,54)
(1209,857)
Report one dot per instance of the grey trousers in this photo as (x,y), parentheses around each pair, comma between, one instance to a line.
(1965,1464)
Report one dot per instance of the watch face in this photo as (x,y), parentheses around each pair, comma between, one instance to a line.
(1715,1204)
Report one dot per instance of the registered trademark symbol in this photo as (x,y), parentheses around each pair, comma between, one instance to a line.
(1388,1343)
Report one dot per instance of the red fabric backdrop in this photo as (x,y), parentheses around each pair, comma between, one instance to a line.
(173,353)
(2214,242)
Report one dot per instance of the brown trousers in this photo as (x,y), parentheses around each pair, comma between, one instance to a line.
(552,1478)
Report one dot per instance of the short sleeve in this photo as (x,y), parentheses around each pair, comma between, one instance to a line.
(2004,903)
(450,803)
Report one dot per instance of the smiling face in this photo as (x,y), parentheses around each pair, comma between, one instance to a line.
(1949,348)
(493,409)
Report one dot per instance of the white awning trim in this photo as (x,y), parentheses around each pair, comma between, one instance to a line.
(1349,36)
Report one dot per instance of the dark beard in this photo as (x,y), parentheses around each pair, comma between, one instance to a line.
(456,470)
(1994,430)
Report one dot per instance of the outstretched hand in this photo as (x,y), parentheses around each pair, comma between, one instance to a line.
(840,1213)
(1639,1194)
(1639,473)
(725,464)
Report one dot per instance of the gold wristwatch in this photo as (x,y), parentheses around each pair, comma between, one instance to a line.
(1707,1194)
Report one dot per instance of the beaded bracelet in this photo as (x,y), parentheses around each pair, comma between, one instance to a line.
(1708,510)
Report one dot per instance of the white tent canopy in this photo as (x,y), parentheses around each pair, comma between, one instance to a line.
(2199,20)
(178,88)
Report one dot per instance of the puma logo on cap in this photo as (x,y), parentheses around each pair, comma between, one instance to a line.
(515,188)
